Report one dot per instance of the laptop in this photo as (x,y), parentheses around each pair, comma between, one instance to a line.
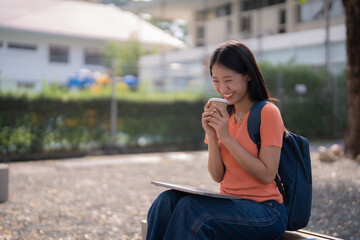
(194,190)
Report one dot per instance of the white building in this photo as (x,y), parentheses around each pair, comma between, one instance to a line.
(277,31)
(49,40)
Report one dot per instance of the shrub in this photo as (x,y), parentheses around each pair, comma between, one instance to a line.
(59,120)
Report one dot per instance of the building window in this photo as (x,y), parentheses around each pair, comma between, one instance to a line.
(200,36)
(315,10)
(336,8)
(58,54)
(273,2)
(247,5)
(224,10)
(311,11)
(245,25)
(282,21)
(23,84)
(22,46)
(93,56)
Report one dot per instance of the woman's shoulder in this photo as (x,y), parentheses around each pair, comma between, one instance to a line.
(270,106)
(270,110)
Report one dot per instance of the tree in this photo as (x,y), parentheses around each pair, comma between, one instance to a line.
(125,55)
(352,136)
(177,28)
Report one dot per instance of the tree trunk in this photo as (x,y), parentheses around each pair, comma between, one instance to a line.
(352,137)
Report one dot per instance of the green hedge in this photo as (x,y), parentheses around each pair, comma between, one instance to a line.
(48,124)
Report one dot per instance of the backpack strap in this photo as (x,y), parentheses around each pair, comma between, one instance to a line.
(254,122)
(281,189)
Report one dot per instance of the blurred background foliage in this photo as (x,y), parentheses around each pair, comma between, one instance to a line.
(59,120)
(313,103)
(123,57)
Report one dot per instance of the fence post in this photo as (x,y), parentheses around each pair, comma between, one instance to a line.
(335,105)
(113,106)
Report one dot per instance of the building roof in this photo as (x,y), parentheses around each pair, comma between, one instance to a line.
(81,19)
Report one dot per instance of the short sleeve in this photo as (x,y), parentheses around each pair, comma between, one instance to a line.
(272,126)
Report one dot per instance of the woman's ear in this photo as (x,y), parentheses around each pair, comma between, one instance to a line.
(248,77)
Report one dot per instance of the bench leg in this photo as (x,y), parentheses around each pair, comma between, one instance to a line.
(143,229)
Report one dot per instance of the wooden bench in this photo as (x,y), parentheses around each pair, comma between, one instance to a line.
(303,234)
(289,235)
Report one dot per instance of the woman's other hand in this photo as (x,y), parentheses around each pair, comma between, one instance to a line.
(219,121)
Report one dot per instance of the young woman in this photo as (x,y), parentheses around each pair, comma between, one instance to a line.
(234,162)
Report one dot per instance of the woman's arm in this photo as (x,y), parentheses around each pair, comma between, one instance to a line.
(216,167)
(263,168)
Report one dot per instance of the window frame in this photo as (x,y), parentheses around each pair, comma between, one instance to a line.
(15,45)
(245,24)
(200,36)
(58,56)
(93,56)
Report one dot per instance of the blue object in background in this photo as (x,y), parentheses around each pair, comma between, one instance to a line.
(131,80)
(81,79)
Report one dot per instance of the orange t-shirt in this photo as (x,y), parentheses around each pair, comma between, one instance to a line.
(236,180)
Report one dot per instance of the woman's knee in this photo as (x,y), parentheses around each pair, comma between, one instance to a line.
(169,195)
(190,203)
(168,198)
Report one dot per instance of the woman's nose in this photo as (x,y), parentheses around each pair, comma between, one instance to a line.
(223,88)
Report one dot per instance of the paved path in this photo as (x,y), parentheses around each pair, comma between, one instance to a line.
(105,197)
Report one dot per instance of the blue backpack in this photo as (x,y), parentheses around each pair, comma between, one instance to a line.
(294,170)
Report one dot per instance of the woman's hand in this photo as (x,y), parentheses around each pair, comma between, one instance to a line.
(206,117)
(219,121)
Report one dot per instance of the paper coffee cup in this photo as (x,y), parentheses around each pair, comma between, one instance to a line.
(220,103)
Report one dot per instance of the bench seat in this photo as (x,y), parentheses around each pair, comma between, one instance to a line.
(289,235)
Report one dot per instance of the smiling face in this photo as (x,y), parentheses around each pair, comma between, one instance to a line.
(230,84)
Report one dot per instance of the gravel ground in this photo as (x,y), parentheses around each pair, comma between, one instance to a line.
(107,197)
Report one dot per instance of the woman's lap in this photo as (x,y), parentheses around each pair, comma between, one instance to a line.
(177,215)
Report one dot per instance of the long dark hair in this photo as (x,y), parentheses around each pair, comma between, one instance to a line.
(238,57)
